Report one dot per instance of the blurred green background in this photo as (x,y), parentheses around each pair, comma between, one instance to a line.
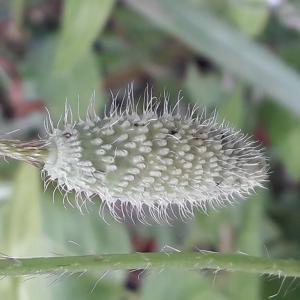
(239,56)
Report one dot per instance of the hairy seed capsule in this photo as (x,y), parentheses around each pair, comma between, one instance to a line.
(153,160)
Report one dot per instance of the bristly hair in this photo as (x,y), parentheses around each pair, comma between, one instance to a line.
(157,162)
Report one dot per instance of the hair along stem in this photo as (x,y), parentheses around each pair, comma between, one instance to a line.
(34,152)
(189,261)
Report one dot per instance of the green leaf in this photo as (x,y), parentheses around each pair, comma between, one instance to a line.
(82,22)
(250,242)
(232,108)
(207,227)
(23,233)
(23,213)
(230,49)
(278,121)
(55,88)
(284,131)
(250,234)
(289,149)
(72,233)
(204,90)
(87,288)
(17,7)
(249,15)
(176,285)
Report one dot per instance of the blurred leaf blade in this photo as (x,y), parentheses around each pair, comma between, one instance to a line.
(171,284)
(288,151)
(77,86)
(24,237)
(249,242)
(232,109)
(95,236)
(205,90)
(92,236)
(226,46)
(87,288)
(24,214)
(17,7)
(82,22)
(284,132)
(249,15)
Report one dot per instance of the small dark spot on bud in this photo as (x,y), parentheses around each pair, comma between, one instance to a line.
(224,139)
(138,124)
(67,135)
(218,181)
(173,131)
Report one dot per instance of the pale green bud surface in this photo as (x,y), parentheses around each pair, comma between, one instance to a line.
(153,161)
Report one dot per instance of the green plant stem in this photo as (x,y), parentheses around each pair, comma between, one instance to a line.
(34,152)
(193,260)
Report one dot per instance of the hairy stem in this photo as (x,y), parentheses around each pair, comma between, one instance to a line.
(34,152)
(193,260)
